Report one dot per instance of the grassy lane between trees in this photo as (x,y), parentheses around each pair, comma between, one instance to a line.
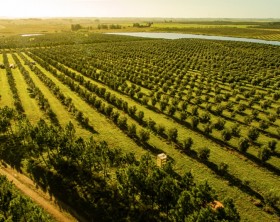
(62,115)
(32,111)
(6,98)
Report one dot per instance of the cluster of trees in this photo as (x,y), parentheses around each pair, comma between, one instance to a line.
(200,102)
(269,25)
(76,27)
(36,93)
(138,25)
(78,82)
(131,130)
(63,38)
(176,197)
(12,84)
(201,85)
(112,104)
(110,26)
(15,207)
(103,107)
(183,96)
(67,101)
(83,170)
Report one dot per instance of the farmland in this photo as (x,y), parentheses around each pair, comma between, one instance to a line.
(91,112)
(267,29)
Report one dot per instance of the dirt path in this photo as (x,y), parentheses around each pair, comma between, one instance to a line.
(28,188)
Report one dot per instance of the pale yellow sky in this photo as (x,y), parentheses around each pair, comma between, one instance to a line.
(142,8)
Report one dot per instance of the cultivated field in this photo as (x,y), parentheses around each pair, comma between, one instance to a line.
(267,29)
(212,106)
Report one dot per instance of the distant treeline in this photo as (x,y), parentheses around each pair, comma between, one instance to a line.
(270,25)
(76,27)
(138,25)
(110,26)
(254,24)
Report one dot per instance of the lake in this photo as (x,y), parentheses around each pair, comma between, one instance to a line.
(26,35)
(164,35)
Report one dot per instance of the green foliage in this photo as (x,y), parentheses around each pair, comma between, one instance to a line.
(122,122)
(207,129)
(243,144)
(15,207)
(160,129)
(253,133)
(161,192)
(229,211)
(264,153)
(140,116)
(199,78)
(76,27)
(6,115)
(223,168)
(132,130)
(183,115)
(172,134)
(219,124)
(235,130)
(187,143)
(205,118)
(263,124)
(272,145)
(194,122)
(86,165)
(144,135)
(226,134)
(203,153)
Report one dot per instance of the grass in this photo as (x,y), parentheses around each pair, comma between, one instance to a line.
(30,106)
(5,92)
(22,26)
(193,25)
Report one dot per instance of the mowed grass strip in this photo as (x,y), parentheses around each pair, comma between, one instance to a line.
(106,129)
(5,91)
(239,165)
(201,172)
(30,106)
(62,114)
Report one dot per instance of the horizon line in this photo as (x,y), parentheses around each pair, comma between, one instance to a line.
(129,17)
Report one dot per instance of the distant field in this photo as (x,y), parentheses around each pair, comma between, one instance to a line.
(193,25)
(260,29)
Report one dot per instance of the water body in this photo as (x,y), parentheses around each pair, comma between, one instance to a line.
(164,35)
(26,35)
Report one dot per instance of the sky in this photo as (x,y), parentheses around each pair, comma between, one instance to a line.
(142,8)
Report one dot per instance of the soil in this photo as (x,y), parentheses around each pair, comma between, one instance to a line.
(29,189)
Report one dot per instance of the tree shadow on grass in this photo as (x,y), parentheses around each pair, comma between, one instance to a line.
(86,197)
(233,180)
(12,153)
(221,143)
